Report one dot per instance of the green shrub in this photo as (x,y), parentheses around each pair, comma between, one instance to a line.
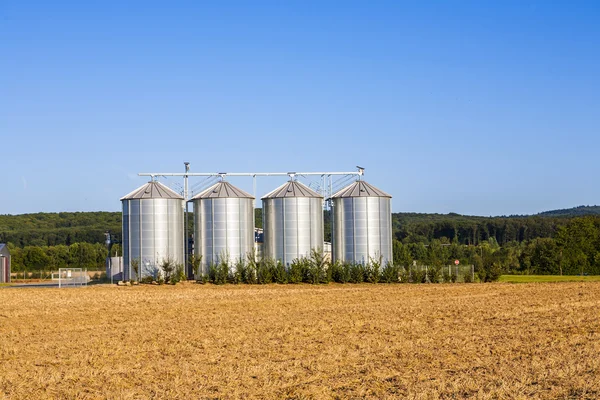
(265,270)
(373,270)
(468,277)
(317,267)
(404,275)
(418,275)
(434,274)
(449,275)
(251,275)
(218,273)
(341,272)
(280,274)
(296,271)
(167,265)
(445,275)
(212,273)
(357,273)
(178,275)
(239,273)
(390,273)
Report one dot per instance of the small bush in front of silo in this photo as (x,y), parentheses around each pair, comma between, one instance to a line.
(239,272)
(390,273)
(251,275)
(265,270)
(222,272)
(357,273)
(340,272)
(178,275)
(296,271)
(373,270)
(167,265)
(212,272)
(195,261)
(280,275)
(317,267)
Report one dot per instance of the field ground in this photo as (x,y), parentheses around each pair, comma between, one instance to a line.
(300,341)
(548,278)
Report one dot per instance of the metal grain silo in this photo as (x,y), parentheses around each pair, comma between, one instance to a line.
(223,224)
(292,221)
(152,229)
(362,224)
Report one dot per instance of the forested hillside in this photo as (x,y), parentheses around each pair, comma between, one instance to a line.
(51,229)
(580,211)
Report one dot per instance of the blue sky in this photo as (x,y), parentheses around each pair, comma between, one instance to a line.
(458,106)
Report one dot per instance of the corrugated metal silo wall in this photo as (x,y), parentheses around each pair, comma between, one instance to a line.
(293,226)
(152,232)
(5,269)
(223,227)
(362,229)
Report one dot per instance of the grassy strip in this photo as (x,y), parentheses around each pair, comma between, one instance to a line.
(548,278)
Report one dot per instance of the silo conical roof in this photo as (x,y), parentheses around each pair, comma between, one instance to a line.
(291,189)
(223,190)
(360,189)
(152,190)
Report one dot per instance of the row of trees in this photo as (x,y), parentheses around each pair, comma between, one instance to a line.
(474,230)
(317,269)
(527,245)
(573,250)
(77,255)
(50,229)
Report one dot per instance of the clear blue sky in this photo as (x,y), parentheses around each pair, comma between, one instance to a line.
(456,106)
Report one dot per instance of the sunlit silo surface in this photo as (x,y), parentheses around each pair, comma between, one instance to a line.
(223,224)
(292,221)
(152,229)
(362,224)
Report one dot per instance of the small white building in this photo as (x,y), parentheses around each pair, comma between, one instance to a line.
(4,264)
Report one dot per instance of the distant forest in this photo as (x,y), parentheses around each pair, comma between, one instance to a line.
(561,241)
(51,229)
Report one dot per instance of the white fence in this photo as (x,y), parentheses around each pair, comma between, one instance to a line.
(447,273)
(71,277)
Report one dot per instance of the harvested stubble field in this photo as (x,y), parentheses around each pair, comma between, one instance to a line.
(300,341)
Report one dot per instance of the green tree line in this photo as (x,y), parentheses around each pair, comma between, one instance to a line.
(65,228)
(78,255)
(549,243)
